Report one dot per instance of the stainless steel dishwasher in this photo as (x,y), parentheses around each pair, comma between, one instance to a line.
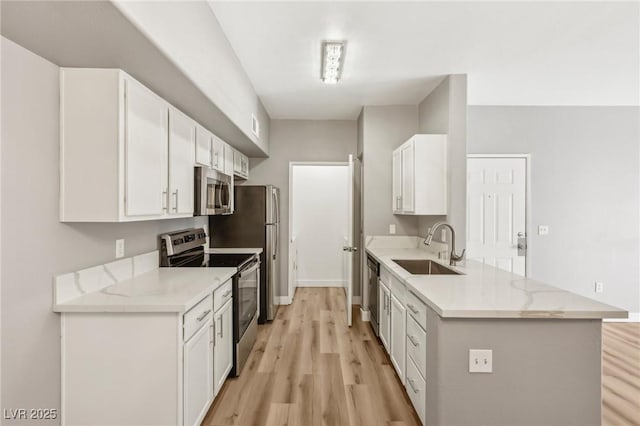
(373,272)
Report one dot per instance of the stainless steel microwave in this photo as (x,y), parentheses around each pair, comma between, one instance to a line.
(213,192)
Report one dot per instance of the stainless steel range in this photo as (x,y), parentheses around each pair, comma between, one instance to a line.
(187,249)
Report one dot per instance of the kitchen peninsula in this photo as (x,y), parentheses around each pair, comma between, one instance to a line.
(540,359)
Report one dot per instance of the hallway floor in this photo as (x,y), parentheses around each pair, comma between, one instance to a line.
(308,368)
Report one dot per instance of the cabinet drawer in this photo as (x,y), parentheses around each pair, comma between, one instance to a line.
(222,294)
(385,275)
(197,316)
(416,388)
(417,345)
(398,289)
(417,309)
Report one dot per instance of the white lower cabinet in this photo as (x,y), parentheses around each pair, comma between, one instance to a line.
(398,336)
(198,374)
(385,318)
(156,368)
(223,348)
(417,354)
(416,388)
(401,328)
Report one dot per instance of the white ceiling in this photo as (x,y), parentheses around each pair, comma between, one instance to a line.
(562,53)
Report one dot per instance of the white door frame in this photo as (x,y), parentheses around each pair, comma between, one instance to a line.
(527,219)
(292,164)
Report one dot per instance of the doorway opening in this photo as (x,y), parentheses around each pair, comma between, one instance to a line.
(321,227)
(498,211)
(318,225)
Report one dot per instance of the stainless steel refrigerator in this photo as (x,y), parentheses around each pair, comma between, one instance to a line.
(255,222)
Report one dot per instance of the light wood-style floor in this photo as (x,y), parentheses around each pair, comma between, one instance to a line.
(308,368)
(621,374)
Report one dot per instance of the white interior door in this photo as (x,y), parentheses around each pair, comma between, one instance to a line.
(496,212)
(349,248)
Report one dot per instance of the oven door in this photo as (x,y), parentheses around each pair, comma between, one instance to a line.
(246,297)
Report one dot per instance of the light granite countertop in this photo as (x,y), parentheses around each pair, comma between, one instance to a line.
(158,290)
(484,291)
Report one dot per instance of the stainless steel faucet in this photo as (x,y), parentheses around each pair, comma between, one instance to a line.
(453,258)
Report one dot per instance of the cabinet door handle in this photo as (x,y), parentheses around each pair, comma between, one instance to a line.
(412,340)
(164,200)
(175,205)
(221,328)
(412,308)
(212,335)
(203,315)
(412,385)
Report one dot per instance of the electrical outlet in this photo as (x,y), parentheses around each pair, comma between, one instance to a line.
(119,249)
(599,287)
(543,229)
(392,228)
(480,361)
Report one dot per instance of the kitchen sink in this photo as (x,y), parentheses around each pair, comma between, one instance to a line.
(424,267)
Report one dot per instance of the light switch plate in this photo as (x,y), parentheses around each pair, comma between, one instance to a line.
(599,287)
(392,228)
(543,229)
(480,361)
(119,249)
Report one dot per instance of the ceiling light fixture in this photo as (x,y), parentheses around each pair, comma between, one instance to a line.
(332,61)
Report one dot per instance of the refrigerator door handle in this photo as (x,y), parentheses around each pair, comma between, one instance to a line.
(276,237)
(276,207)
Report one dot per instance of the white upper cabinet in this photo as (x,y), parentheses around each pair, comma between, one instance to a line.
(204,141)
(228,159)
(397,181)
(420,176)
(182,136)
(240,165)
(145,151)
(217,154)
(121,159)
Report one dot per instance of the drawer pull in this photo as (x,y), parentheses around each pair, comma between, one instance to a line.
(412,308)
(226,293)
(203,315)
(412,340)
(412,385)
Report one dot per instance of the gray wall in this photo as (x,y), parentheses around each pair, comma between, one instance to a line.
(384,128)
(545,372)
(36,246)
(584,185)
(444,110)
(299,140)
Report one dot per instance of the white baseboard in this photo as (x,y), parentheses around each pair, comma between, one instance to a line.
(283,300)
(320,283)
(633,317)
(365,315)
(356,300)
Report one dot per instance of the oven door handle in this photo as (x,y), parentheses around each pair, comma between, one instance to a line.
(248,271)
